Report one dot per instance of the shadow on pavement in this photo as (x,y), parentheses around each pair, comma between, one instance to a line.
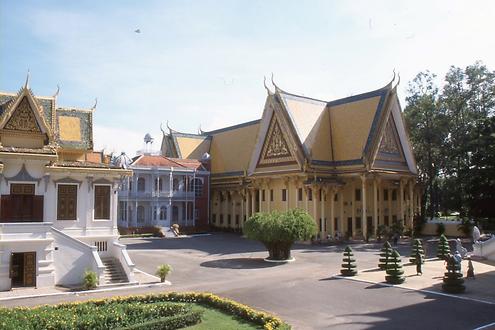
(240,263)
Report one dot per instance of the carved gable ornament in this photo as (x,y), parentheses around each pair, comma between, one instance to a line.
(389,143)
(23,118)
(276,148)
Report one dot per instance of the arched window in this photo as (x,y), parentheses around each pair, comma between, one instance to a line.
(196,185)
(141,184)
(163,213)
(158,184)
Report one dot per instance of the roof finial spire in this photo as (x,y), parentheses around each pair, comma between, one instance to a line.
(277,89)
(169,129)
(58,91)
(26,84)
(161,128)
(94,105)
(398,80)
(266,87)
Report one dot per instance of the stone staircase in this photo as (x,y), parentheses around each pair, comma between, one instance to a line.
(114,273)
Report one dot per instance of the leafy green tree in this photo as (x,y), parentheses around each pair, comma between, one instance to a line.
(426,123)
(279,230)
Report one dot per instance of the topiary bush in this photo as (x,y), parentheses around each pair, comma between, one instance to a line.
(395,273)
(90,280)
(417,247)
(279,230)
(348,263)
(385,254)
(443,248)
(452,279)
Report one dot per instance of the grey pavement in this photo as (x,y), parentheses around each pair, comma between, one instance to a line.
(304,292)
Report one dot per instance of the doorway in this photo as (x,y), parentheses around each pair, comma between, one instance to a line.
(23,269)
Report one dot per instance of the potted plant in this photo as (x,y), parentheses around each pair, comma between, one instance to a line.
(162,271)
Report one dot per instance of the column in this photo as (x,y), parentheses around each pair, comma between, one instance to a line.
(375,205)
(401,201)
(286,182)
(364,221)
(253,201)
(315,192)
(389,192)
(322,210)
(332,211)
(247,204)
(225,207)
(411,204)
(268,196)
(306,206)
(381,204)
(296,194)
(341,216)
(233,216)
(353,208)
(260,190)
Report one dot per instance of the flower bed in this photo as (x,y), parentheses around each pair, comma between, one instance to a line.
(134,312)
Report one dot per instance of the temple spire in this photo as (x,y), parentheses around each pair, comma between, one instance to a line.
(26,84)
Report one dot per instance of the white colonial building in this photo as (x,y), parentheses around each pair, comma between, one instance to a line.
(163,191)
(58,212)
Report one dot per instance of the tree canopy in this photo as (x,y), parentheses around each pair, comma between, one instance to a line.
(452,130)
(279,230)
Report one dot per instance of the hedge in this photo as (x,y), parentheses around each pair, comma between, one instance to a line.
(139,306)
(102,314)
(169,322)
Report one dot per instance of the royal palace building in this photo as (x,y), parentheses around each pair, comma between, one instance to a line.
(348,162)
(58,210)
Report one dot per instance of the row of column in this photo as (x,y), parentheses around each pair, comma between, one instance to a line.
(247,199)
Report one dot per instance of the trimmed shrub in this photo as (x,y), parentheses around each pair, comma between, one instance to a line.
(168,322)
(162,271)
(279,230)
(443,248)
(90,280)
(452,279)
(395,274)
(348,263)
(385,254)
(417,247)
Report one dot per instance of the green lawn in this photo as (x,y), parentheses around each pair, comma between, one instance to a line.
(214,319)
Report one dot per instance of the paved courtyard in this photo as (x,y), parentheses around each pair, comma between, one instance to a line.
(305,292)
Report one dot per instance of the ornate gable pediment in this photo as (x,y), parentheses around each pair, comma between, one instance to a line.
(275,148)
(390,141)
(23,118)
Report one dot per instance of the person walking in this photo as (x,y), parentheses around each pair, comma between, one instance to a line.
(419,263)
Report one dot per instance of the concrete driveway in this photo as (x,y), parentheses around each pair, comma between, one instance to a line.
(303,292)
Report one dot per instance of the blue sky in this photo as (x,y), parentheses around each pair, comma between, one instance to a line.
(202,62)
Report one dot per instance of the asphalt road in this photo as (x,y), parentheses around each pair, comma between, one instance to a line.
(302,292)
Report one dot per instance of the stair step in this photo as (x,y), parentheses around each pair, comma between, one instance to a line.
(113,272)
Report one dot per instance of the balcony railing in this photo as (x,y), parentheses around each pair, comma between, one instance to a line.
(155,194)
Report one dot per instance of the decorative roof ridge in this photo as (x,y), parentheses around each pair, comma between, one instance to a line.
(228,128)
(301,96)
(74,109)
